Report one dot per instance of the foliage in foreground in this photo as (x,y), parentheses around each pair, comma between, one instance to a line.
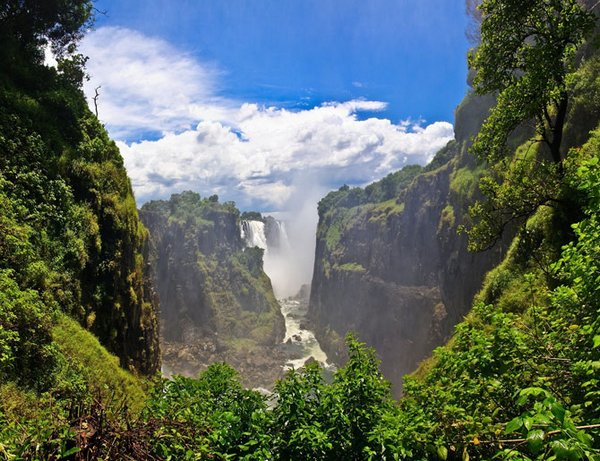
(519,380)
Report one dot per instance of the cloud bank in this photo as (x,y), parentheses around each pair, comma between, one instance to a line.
(175,132)
(147,85)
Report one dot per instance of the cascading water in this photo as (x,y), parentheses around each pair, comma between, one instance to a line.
(253,233)
(299,342)
(277,236)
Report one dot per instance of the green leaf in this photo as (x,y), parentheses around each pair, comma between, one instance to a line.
(585,439)
(66,454)
(535,440)
(558,411)
(522,400)
(563,450)
(442,453)
(560,449)
(513,425)
(465,455)
(542,418)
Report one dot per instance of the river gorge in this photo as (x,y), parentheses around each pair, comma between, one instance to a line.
(299,342)
(227,294)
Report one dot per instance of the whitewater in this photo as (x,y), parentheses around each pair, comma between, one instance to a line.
(299,341)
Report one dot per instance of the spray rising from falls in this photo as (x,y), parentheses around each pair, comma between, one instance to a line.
(271,236)
(280,260)
(253,234)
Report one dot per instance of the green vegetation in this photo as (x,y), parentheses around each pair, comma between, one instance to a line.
(251,216)
(519,380)
(99,370)
(70,230)
(389,188)
(447,218)
(514,385)
(351,267)
(464,182)
(72,281)
(529,55)
(25,342)
(369,208)
(197,242)
(381,211)
(514,369)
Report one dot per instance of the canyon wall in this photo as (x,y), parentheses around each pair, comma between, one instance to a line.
(390,263)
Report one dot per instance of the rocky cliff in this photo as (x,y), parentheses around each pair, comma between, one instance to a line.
(390,264)
(216,301)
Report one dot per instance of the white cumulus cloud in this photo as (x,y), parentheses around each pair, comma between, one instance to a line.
(145,83)
(245,152)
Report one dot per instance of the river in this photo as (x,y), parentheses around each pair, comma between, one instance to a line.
(300,342)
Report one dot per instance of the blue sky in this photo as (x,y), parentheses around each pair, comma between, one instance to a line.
(299,53)
(271,103)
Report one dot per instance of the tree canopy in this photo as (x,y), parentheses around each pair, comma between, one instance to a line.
(528,57)
(34,22)
(528,49)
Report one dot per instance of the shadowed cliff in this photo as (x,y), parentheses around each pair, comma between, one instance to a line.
(390,264)
(216,301)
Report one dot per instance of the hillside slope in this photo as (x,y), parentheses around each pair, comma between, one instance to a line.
(72,248)
(216,301)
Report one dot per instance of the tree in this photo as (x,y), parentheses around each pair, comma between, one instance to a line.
(527,57)
(28,26)
(360,397)
(300,416)
(58,22)
(527,51)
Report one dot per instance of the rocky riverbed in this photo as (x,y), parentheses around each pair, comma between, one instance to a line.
(259,366)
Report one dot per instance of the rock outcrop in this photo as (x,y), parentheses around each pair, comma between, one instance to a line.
(390,264)
(216,301)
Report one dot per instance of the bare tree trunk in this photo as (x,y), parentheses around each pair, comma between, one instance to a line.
(95,99)
(557,129)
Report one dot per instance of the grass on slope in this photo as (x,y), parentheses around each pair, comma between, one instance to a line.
(99,369)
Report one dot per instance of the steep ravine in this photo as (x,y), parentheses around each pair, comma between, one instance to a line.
(300,344)
(390,264)
(217,304)
(217,300)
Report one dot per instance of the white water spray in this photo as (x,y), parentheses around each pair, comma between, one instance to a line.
(279,257)
(253,233)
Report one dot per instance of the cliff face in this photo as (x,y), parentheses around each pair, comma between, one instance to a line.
(389,262)
(69,226)
(216,301)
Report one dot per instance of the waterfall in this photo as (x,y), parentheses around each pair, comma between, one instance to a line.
(279,259)
(270,235)
(253,234)
(279,264)
(278,229)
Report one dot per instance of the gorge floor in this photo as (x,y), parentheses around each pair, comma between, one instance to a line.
(259,366)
